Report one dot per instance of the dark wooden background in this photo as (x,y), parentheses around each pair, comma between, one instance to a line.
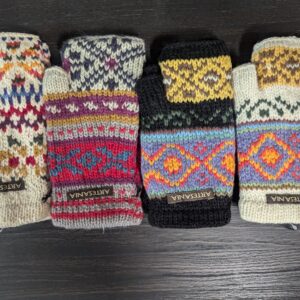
(239,261)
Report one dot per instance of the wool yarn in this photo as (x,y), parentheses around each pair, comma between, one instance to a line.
(187,136)
(23,172)
(92,116)
(267,106)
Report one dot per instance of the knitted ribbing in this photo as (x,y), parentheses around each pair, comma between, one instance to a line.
(267,94)
(23,180)
(187,145)
(92,117)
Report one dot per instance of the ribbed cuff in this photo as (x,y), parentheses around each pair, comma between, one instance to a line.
(16,214)
(254,208)
(190,50)
(288,41)
(97,213)
(205,213)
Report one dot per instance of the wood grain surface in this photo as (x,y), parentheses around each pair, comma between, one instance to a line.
(239,261)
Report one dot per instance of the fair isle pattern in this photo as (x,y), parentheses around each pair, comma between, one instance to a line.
(104,63)
(268,131)
(269,155)
(23,59)
(20,159)
(197,80)
(270,106)
(82,153)
(180,118)
(197,160)
(277,65)
(187,135)
(92,133)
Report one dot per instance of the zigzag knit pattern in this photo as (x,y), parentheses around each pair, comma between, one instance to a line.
(23,172)
(190,78)
(264,109)
(268,132)
(92,133)
(192,154)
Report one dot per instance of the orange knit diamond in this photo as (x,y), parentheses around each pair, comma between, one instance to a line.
(270,156)
(228,163)
(172,164)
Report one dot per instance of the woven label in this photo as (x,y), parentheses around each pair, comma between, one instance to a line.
(206,194)
(283,199)
(11,186)
(88,193)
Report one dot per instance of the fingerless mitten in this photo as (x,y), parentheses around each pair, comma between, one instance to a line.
(92,118)
(23,173)
(267,105)
(187,136)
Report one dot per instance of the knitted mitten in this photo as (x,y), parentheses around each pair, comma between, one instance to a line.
(92,118)
(267,94)
(23,185)
(187,136)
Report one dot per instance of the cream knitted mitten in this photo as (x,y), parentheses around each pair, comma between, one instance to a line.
(267,93)
(23,182)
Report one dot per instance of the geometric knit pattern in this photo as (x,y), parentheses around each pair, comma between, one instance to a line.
(23,59)
(187,154)
(92,128)
(208,78)
(196,159)
(203,115)
(277,65)
(268,130)
(103,63)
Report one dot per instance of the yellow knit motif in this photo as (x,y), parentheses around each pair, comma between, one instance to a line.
(197,80)
(277,65)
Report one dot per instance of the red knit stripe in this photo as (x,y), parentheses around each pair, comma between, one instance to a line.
(98,214)
(135,201)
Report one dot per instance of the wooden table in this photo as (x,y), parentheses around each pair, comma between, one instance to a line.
(239,261)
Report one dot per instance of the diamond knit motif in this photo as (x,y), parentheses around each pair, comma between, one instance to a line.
(187,135)
(196,80)
(269,156)
(93,116)
(171,167)
(268,131)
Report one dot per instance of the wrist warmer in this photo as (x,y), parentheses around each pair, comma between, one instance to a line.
(23,173)
(92,118)
(187,136)
(267,93)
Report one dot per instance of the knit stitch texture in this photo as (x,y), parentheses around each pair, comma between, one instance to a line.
(23,172)
(187,134)
(92,117)
(267,93)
